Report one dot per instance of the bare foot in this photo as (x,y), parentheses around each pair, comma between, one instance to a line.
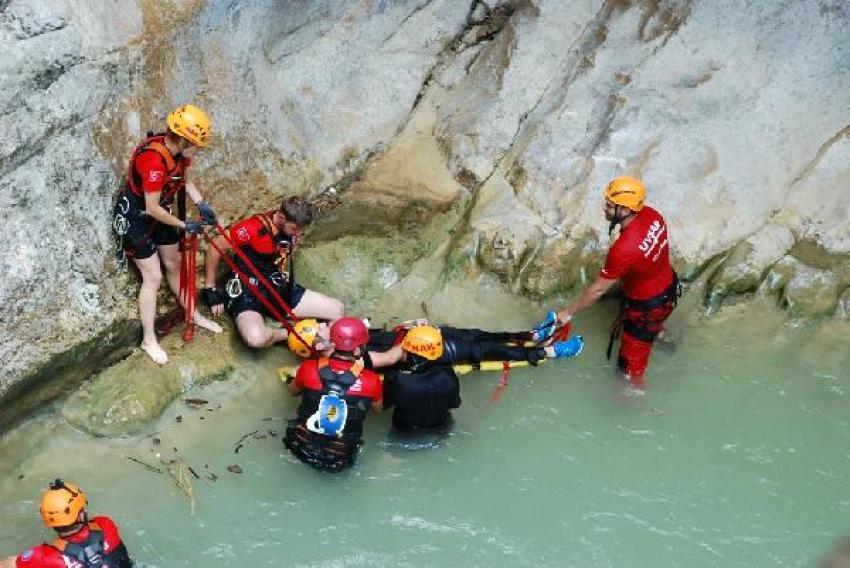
(155,352)
(207,323)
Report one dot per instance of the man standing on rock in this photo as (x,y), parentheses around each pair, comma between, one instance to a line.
(149,232)
(267,240)
(640,260)
(81,542)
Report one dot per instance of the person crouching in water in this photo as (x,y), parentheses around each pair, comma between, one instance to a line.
(423,385)
(267,240)
(337,393)
(81,542)
(422,389)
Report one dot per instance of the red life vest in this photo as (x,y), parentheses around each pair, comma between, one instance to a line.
(175,169)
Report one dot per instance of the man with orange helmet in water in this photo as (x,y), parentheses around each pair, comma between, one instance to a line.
(82,542)
(640,260)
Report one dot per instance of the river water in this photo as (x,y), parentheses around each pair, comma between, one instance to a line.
(738,455)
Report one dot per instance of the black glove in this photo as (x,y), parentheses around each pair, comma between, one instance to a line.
(207,212)
(193,227)
(212,297)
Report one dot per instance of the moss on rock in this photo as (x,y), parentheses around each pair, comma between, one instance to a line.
(125,398)
(358,269)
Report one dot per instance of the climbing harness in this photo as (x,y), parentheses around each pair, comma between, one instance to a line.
(251,284)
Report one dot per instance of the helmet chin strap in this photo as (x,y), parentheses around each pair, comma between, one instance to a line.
(616,219)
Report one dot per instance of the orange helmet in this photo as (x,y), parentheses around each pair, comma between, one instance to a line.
(61,504)
(425,341)
(626,191)
(191,123)
(306,329)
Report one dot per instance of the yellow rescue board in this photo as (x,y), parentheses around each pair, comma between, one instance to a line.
(460,368)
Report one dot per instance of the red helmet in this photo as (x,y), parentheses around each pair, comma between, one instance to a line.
(347,334)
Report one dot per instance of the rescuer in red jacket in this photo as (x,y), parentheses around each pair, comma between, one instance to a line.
(640,260)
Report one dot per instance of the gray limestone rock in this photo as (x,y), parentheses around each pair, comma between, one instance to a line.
(475,135)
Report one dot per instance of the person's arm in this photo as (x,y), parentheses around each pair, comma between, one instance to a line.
(193,192)
(8,562)
(587,298)
(159,213)
(381,359)
(296,385)
(377,406)
(212,296)
(294,388)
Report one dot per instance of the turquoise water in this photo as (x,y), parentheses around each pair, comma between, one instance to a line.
(738,455)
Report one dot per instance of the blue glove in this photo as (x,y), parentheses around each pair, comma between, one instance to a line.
(544,330)
(193,227)
(207,212)
(569,348)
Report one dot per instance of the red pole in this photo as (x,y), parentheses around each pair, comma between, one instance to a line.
(190,247)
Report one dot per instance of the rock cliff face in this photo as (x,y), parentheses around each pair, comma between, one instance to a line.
(470,135)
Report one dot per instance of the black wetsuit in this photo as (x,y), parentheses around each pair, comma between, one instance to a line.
(421,398)
(469,345)
(423,395)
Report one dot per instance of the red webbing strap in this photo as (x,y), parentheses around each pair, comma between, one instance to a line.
(188,283)
(256,273)
(503,384)
(253,288)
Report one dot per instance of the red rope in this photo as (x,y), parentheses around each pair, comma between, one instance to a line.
(503,384)
(254,289)
(257,274)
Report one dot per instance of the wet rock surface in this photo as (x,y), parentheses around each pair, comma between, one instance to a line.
(475,136)
(126,398)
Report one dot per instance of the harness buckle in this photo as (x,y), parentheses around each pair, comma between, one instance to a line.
(234,287)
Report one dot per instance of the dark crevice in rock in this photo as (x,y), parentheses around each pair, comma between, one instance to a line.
(555,91)
(25,153)
(400,25)
(26,32)
(46,77)
(322,16)
(489,28)
(824,148)
(64,372)
(810,166)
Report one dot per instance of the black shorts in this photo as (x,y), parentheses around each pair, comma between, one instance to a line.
(142,239)
(241,299)
(139,234)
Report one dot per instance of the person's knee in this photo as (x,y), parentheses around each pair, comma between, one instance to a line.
(255,338)
(152,280)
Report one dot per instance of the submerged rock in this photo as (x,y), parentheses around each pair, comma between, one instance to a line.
(126,398)
(806,291)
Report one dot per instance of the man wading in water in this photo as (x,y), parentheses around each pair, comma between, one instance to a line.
(640,260)
(81,542)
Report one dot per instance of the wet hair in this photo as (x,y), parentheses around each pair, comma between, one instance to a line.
(298,210)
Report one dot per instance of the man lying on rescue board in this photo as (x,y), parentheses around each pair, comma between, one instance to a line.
(420,380)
